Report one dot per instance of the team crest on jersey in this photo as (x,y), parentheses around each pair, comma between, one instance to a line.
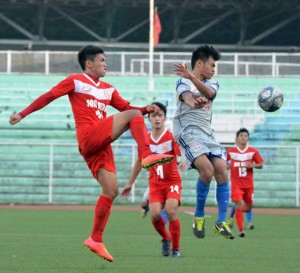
(165,147)
(107,93)
(197,146)
(86,88)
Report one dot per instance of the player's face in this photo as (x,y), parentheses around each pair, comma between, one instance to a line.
(97,67)
(242,138)
(208,68)
(157,120)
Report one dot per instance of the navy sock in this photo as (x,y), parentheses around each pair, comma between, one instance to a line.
(201,194)
(223,200)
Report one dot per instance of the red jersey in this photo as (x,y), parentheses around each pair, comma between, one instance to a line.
(89,98)
(164,173)
(240,175)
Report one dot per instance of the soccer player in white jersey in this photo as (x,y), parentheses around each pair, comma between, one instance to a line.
(192,129)
(242,159)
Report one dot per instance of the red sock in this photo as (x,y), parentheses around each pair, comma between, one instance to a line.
(102,212)
(175,233)
(140,134)
(239,219)
(161,229)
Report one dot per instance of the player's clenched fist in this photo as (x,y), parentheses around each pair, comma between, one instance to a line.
(15,118)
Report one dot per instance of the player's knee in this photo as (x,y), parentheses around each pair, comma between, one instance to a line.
(135,113)
(206,177)
(111,193)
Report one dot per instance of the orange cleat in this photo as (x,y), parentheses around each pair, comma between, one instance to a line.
(153,159)
(98,248)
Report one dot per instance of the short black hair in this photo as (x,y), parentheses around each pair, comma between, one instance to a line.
(242,130)
(203,53)
(88,52)
(160,106)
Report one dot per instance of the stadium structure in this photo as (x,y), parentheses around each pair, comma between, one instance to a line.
(233,25)
(259,42)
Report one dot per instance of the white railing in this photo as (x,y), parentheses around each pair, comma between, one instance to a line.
(12,163)
(137,63)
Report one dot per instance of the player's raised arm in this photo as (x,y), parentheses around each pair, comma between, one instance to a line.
(182,70)
(37,104)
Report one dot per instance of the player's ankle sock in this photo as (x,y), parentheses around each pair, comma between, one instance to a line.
(239,219)
(140,134)
(102,212)
(161,228)
(223,200)
(202,190)
(175,233)
(232,211)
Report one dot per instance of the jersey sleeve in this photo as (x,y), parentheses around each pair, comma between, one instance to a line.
(257,157)
(213,85)
(64,87)
(182,86)
(37,104)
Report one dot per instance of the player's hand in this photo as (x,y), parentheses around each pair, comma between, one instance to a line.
(126,191)
(200,102)
(182,166)
(152,108)
(249,165)
(182,70)
(14,119)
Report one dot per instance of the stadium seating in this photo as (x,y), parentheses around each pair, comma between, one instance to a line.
(27,148)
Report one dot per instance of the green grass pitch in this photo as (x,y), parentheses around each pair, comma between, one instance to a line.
(50,241)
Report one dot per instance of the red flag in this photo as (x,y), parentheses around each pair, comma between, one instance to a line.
(157,28)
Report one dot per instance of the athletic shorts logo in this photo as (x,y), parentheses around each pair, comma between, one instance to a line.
(197,146)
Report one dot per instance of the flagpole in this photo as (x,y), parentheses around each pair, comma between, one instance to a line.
(151,46)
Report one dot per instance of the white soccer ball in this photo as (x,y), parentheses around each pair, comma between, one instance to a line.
(270,99)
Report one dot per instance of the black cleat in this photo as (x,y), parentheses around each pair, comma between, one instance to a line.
(165,247)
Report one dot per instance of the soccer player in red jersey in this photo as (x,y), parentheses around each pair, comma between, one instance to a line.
(90,98)
(164,184)
(242,159)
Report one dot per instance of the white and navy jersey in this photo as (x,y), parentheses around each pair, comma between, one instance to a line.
(186,116)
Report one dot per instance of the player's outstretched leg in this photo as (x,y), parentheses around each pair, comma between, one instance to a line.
(98,248)
(140,135)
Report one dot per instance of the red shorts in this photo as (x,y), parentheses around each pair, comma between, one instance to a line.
(94,145)
(160,192)
(242,194)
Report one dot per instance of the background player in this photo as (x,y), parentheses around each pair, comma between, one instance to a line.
(249,218)
(164,184)
(242,160)
(90,98)
(192,130)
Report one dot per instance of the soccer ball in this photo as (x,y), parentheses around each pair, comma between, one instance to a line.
(270,99)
